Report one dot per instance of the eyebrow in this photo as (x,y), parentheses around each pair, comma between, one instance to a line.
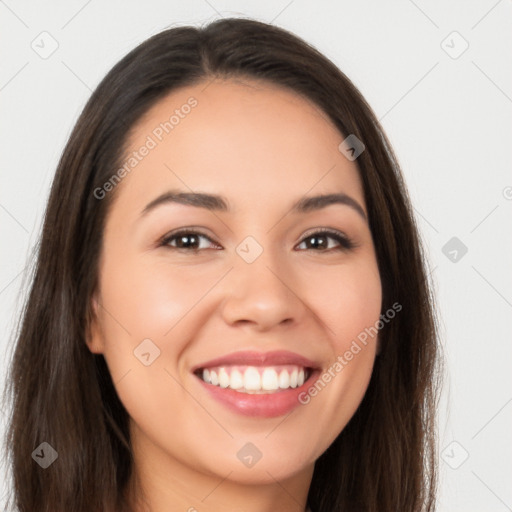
(218,203)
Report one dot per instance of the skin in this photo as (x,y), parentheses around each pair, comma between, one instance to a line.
(263,148)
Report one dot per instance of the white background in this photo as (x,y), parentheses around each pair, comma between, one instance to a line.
(449,120)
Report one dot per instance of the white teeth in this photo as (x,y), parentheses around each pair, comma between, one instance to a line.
(293,379)
(269,380)
(223,378)
(251,379)
(284,379)
(237,380)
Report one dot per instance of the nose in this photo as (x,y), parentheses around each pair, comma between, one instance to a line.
(263,295)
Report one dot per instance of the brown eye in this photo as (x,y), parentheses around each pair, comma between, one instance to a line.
(186,240)
(319,241)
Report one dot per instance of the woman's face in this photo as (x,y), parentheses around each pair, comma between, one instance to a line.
(248,296)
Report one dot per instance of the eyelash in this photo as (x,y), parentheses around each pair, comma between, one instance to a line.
(345,243)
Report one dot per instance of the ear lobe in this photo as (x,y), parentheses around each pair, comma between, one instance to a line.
(93,335)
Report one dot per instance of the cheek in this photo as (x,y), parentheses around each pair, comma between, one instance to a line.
(148,309)
(150,299)
(151,311)
(350,306)
(347,300)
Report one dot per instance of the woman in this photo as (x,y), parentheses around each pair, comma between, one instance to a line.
(230,308)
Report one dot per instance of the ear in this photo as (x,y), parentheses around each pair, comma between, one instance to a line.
(94,335)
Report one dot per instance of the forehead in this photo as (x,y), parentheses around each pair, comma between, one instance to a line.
(244,139)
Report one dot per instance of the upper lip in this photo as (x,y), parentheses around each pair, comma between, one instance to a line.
(252,358)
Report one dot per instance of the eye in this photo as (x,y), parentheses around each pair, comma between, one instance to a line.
(190,240)
(319,241)
(186,239)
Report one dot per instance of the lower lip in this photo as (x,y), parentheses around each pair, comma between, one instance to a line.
(264,405)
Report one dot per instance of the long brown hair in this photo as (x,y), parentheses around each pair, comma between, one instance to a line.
(62,394)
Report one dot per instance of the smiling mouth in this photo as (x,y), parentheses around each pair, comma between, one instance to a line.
(255,379)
